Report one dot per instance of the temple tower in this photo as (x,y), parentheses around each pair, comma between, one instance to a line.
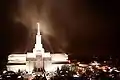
(38,50)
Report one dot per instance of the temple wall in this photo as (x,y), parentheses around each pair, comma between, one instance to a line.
(47,64)
(59,57)
(15,68)
(39,61)
(30,66)
(53,67)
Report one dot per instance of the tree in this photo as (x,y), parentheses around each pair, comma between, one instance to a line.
(35,69)
(18,70)
(39,70)
(58,70)
(65,67)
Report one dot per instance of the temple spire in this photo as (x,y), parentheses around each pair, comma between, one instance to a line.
(38,31)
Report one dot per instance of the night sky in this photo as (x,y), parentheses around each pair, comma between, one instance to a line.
(81,28)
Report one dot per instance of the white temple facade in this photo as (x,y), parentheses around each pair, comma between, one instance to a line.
(38,59)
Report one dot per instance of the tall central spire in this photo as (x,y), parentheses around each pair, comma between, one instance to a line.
(38,45)
(38,31)
(38,36)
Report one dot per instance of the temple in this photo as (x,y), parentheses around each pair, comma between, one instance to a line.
(37,59)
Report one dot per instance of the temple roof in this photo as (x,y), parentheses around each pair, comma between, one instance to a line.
(18,53)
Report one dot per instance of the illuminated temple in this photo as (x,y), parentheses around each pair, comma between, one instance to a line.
(38,59)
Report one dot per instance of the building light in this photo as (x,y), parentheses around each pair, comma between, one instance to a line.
(69,61)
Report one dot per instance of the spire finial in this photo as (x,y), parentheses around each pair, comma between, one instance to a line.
(38,32)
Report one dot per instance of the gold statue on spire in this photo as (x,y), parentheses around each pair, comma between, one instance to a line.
(38,32)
